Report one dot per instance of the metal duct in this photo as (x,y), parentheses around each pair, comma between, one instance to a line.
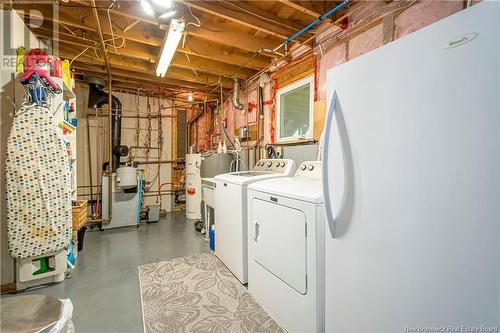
(97,98)
(236,95)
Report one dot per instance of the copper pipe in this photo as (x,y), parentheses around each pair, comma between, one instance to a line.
(110,116)
(173,106)
(90,165)
(154,195)
(155,162)
(160,146)
(140,117)
(143,147)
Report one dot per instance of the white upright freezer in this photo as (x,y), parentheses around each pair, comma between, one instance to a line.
(411,181)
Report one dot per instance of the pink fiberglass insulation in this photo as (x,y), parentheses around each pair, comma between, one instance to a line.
(416,17)
(334,57)
(367,9)
(423,14)
(366,42)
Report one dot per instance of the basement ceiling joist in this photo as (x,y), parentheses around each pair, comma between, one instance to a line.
(216,43)
(127,75)
(181,60)
(304,6)
(222,47)
(228,12)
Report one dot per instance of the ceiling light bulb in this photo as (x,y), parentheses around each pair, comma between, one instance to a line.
(190,97)
(163,3)
(147,7)
(168,14)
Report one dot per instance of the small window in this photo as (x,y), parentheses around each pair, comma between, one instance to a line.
(295,111)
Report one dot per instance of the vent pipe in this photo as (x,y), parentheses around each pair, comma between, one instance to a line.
(97,98)
(236,95)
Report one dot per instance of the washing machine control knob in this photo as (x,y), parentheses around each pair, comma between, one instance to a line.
(303,167)
(283,164)
(269,164)
(311,167)
(277,164)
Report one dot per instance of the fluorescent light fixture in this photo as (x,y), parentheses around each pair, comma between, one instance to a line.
(190,97)
(170,45)
(168,14)
(147,7)
(163,3)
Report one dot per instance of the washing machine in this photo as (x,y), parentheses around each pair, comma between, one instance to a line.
(285,248)
(231,211)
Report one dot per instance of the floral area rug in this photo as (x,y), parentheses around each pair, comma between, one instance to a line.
(198,294)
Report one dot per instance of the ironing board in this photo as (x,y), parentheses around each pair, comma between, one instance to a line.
(38,185)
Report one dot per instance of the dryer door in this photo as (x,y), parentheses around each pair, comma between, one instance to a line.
(279,242)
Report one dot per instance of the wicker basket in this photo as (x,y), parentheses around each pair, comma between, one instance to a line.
(79,213)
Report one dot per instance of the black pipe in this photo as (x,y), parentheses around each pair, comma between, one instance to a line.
(117,132)
(97,98)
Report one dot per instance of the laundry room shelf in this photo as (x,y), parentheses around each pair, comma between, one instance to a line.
(67,126)
(67,92)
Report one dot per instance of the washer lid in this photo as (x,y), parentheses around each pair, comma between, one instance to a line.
(246,177)
(299,188)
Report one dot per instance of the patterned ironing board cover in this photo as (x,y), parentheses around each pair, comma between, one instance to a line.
(38,186)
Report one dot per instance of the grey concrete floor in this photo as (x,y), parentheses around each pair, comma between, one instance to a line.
(104,289)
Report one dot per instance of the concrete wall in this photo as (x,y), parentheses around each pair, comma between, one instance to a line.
(19,36)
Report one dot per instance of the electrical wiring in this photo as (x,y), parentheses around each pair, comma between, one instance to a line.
(113,5)
(111,29)
(97,55)
(65,27)
(119,46)
(78,55)
(196,18)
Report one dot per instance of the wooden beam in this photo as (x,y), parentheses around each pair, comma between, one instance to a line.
(189,75)
(221,10)
(183,60)
(388,28)
(210,30)
(262,14)
(230,55)
(127,75)
(147,70)
(222,33)
(210,44)
(144,69)
(302,6)
(129,51)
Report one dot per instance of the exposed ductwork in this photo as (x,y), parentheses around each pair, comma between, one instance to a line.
(97,98)
(236,95)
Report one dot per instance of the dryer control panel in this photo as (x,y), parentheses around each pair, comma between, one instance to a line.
(310,169)
(275,165)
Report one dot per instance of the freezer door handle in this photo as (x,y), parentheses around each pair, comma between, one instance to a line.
(256,231)
(338,223)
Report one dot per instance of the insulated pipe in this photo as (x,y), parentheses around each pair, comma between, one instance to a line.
(110,117)
(236,95)
(313,23)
